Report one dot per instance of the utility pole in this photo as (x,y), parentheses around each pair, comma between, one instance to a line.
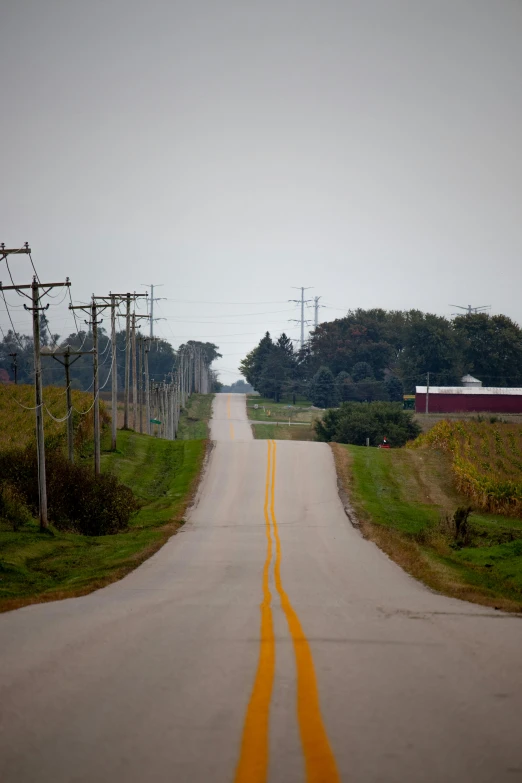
(427,392)
(147,388)
(114,384)
(14,366)
(128,297)
(67,365)
(93,310)
(127,365)
(302,302)
(135,362)
(134,377)
(36,309)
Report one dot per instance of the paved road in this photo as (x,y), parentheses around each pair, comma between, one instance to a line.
(267,641)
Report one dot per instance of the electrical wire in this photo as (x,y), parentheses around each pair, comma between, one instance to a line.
(12,324)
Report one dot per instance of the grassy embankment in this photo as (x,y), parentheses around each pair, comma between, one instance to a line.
(193,423)
(405,500)
(277,417)
(36,567)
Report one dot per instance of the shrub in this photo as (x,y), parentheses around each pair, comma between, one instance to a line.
(77,499)
(13,507)
(354,422)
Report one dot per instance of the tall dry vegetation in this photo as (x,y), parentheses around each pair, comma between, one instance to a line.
(17,423)
(486,460)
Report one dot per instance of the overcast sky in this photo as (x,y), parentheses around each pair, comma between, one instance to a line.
(232,149)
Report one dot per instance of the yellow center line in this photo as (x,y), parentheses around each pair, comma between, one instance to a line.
(253,761)
(319,759)
(320,763)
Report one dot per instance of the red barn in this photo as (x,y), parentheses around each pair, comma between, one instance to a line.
(472,397)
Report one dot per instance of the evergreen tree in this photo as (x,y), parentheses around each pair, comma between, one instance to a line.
(394,389)
(322,389)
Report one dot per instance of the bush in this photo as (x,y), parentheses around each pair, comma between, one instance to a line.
(353,422)
(13,507)
(77,499)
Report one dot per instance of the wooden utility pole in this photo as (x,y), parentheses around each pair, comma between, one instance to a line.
(40,437)
(134,377)
(14,366)
(127,365)
(140,379)
(114,386)
(67,365)
(128,297)
(147,387)
(36,309)
(92,309)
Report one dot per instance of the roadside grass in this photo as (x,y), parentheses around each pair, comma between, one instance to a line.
(37,567)
(403,498)
(194,419)
(281,431)
(270,411)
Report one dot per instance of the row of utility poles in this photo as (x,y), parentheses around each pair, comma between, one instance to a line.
(162,401)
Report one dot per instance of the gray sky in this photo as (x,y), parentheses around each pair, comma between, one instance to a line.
(233,149)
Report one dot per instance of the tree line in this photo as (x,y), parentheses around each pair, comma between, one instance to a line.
(379,355)
(162,357)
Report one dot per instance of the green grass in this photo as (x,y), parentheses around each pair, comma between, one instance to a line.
(36,566)
(193,423)
(401,495)
(282,432)
(269,411)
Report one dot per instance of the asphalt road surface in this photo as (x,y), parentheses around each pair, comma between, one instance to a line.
(265,642)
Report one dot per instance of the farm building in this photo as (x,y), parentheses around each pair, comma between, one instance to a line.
(470,397)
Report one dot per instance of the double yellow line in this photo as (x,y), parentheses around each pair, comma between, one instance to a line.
(253,761)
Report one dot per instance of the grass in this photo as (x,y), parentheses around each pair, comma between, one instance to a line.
(36,567)
(276,431)
(193,423)
(270,411)
(400,497)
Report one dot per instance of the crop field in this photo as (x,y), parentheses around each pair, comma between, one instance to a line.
(486,460)
(17,416)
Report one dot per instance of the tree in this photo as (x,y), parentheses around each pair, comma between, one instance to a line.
(394,388)
(353,423)
(362,371)
(431,345)
(342,385)
(253,364)
(492,348)
(322,389)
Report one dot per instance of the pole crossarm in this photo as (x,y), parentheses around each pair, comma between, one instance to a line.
(40,285)
(13,251)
